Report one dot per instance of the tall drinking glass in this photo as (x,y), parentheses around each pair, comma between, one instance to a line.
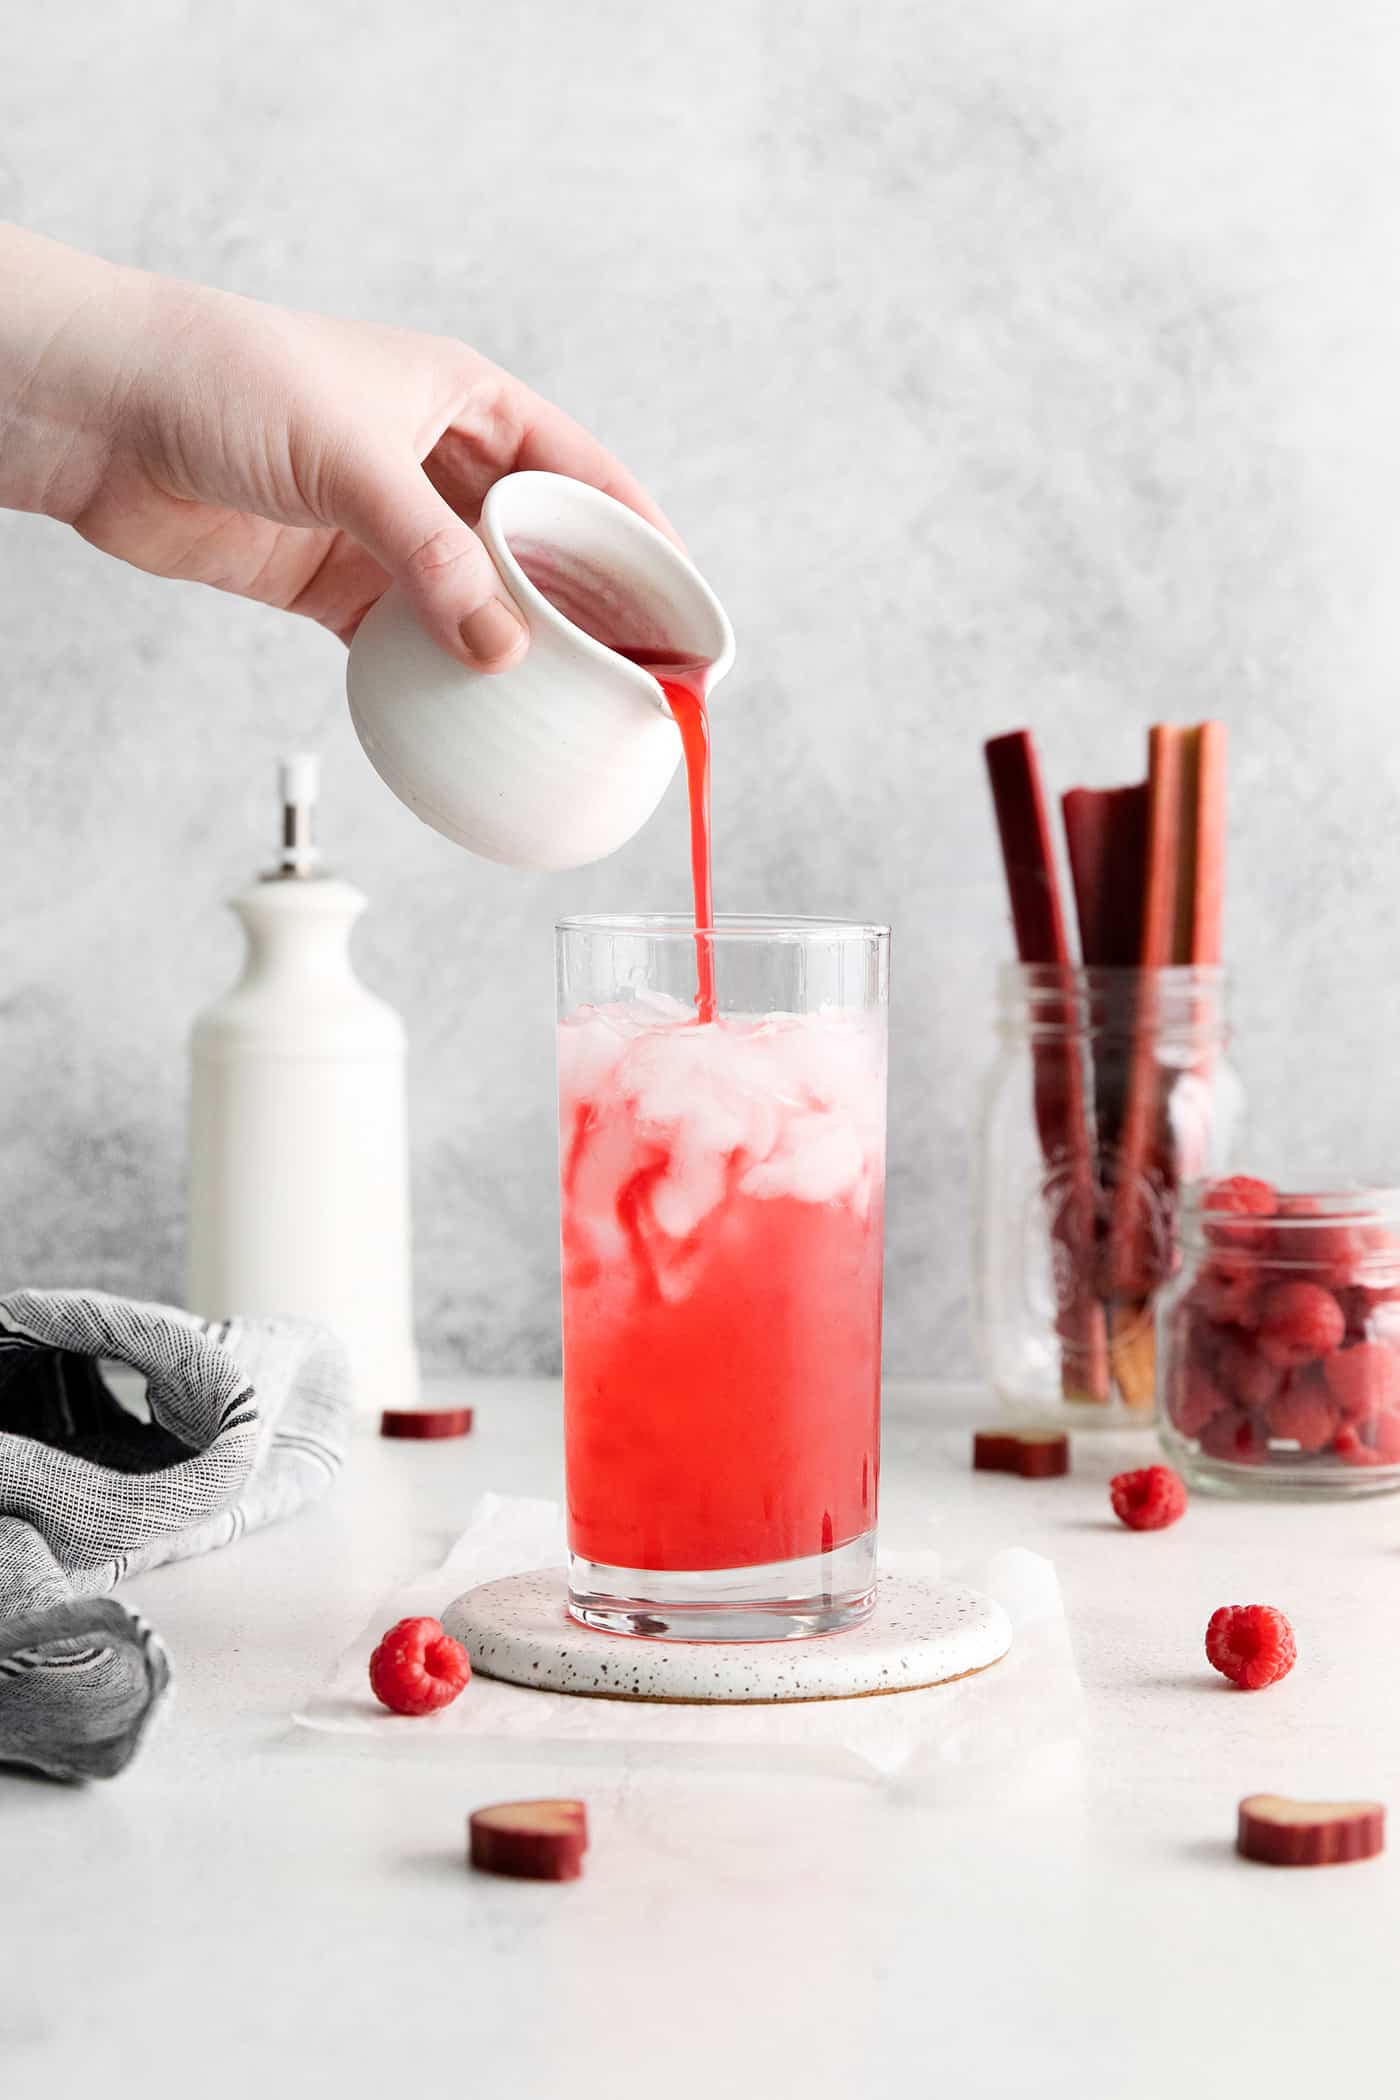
(723,1202)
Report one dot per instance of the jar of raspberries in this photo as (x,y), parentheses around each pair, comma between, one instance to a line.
(1279,1343)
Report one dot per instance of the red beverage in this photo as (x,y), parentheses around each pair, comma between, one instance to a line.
(723,1187)
(722,1201)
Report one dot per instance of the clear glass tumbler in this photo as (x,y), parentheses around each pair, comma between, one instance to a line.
(722,1211)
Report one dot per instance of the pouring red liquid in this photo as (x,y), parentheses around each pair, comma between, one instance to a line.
(682,680)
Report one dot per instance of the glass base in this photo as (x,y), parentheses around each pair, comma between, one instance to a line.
(1023,1411)
(787,1600)
(1296,1482)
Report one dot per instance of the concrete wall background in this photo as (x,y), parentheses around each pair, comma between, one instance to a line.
(1027,362)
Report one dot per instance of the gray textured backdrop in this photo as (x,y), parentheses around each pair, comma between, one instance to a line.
(1038,359)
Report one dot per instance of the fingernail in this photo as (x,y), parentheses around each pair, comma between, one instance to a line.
(493,634)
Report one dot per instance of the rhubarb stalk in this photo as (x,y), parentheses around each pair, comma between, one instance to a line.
(1028,854)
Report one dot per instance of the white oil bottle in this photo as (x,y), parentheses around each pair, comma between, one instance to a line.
(298,1143)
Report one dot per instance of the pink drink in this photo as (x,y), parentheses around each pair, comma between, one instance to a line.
(722,1218)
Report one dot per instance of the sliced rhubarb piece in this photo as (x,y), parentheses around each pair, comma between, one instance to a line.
(1028,853)
(530,1840)
(1284,1833)
(1034,1454)
(425,1421)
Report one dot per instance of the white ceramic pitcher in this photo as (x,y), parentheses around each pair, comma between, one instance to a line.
(561,759)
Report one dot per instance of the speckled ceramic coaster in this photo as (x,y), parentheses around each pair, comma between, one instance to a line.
(921,1632)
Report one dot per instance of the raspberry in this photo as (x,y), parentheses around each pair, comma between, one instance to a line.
(1340,1247)
(1350,1447)
(1228,1290)
(1246,1373)
(1356,1305)
(1148,1500)
(1251,1644)
(1228,1203)
(1298,1322)
(1364,1378)
(1194,1333)
(1236,1436)
(1384,1436)
(1304,1413)
(1241,1196)
(1195,1400)
(418,1668)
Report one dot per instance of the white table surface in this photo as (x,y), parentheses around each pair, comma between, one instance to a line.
(255,1909)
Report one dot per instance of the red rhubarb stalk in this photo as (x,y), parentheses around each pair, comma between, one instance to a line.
(1106,832)
(1041,939)
(1131,1267)
(1181,925)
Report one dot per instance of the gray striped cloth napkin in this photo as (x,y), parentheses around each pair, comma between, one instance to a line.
(243,1421)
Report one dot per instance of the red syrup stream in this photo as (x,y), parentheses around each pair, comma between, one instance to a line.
(682,680)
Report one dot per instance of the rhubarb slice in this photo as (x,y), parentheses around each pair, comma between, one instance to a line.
(1037,915)
(425,1421)
(1284,1833)
(530,1840)
(1034,1454)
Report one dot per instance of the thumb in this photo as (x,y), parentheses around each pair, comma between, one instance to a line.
(438,562)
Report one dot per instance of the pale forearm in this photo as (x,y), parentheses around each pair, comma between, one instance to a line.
(70,327)
(301,461)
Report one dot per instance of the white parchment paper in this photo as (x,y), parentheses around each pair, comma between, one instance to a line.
(1020,1717)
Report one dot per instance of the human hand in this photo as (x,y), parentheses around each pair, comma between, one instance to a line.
(304,462)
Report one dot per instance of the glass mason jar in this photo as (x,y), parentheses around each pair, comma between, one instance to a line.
(1110,1092)
(723,1204)
(1280,1344)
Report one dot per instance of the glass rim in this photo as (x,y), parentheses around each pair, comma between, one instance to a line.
(1345,1204)
(729,926)
(1051,977)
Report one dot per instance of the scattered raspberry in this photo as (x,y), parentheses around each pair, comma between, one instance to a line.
(1148,1500)
(1236,1436)
(1364,1378)
(418,1668)
(1246,1373)
(1251,1644)
(1196,1400)
(1305,1413)
(1298,1323)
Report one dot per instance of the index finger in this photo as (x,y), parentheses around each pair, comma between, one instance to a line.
(556,444)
